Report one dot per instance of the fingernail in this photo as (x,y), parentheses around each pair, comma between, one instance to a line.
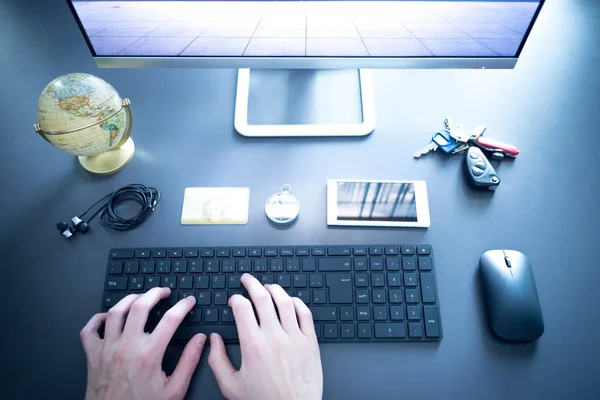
(191,298)
(245,275)
(267,285)
(200,340)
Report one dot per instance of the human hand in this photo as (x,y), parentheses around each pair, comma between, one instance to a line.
(126,364)
(280,357)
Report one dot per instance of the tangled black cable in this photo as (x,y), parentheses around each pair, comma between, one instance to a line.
(147,197)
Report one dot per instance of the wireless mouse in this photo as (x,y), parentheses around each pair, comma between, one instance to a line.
(510,294)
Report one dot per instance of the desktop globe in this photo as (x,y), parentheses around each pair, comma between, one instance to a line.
(85,116)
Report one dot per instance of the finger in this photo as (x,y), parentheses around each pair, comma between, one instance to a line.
(116,317)
(179,381)
(246,323)
(170,322)
(262,301)
(89,333)
(221,366)
(305,319)
(138,315)
(285,307)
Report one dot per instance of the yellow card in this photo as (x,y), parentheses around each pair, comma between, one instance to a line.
(215,206)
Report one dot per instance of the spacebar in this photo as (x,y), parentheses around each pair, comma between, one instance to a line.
(186,332)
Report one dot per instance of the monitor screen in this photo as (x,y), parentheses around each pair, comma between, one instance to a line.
(302,29)
(376,201)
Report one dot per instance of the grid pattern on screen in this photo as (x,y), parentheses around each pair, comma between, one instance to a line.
(311,29)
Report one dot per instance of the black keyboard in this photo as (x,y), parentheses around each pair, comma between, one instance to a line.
(356,293)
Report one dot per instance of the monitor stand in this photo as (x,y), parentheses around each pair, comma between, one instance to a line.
(292,103)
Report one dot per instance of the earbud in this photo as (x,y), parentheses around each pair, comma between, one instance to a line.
(64,229)
(80,225)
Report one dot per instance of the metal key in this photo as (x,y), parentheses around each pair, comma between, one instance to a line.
(430,147)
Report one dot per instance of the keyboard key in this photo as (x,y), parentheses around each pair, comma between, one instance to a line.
(286,251)
(392,264)
(186,282)
(335,264)
(148,266)
(220,298)
(427,288)
(194,316)
(228,266)
(395,296)
(196,266)
(170,301)
(271,252)
(340,288)
(324,313)
(377,280)
(227,315)
(318,251)
(413,313)
(410,280)
(360,264)
(409,263)
(375,250)
(318,330)
(115,267)
(186,332)
(309,265)
(169,281)
(175,253)
(152,282)
(203,298)
(121,254)
(211,315)
(390,330)
(116,283)
(432,323)
(424,249)
(207,252)
(155,315)
(364,331)
(415,330)
(144,253)
(223,252)
(183,295)
(292,265)
(180,266)
(338,251)
(363,313)
(412,295)
(163,266)
(347,331)
(233,282)
(245,265)
(410,250)
(218,282)
(303,295)
(110,299)
(284,280)
(319,296)
(380,313)
(316,280)
(238,252)
(267,279)
(132,267)
(234,292)
(361,280)
(211,266)
(362,296)
(330,331)
(276,265)
(299,281)
(392,250)
(254,252)
(397,313)
(302,251)
(425,264)
(159,253)
(379,296)
(376,264)
(202,282)
(260,265)
(394,279)
(360,251)
(190,253)
(346,313)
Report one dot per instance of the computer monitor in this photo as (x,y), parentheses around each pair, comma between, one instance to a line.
(315,35)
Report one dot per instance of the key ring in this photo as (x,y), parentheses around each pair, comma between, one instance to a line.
(282,208)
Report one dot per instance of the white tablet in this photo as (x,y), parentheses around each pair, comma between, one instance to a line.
(355,202)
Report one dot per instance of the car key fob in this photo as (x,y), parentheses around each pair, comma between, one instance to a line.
(480,172)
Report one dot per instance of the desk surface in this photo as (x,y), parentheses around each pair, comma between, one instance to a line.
(183,128)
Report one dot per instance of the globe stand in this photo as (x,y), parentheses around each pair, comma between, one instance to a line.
(110,162)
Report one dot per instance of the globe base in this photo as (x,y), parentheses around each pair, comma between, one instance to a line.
(110,162)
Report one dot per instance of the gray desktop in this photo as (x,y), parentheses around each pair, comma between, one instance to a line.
(54,286)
